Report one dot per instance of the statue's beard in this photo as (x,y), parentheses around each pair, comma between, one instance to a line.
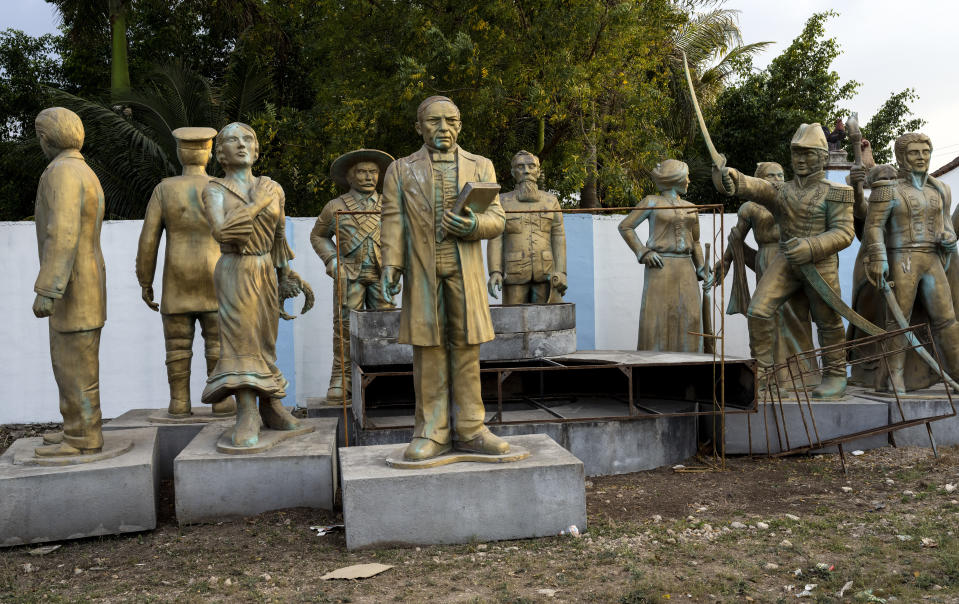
(527,191)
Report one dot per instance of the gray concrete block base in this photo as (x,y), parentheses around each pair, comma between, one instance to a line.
(171,437)
(534,497)
(929,402)
(107,497)
(784,428)
(299,472)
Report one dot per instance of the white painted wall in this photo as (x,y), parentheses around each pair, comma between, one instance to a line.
(132,369)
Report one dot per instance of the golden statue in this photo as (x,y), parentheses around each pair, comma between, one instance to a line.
(793,333)
(252,277)
(815,219)
(909,240)
(358,277)
(445,312)
(532,249)
(71,286)
(671,313)
(189,297)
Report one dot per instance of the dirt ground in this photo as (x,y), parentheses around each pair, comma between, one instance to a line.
(764,530)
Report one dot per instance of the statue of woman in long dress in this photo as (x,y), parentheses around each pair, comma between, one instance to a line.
(246,214)
(671,313)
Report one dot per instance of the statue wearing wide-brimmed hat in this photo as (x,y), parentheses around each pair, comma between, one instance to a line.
(357,267)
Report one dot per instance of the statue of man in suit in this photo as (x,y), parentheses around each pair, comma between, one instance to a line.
(71,286)
(529,258)
(189,297)
(445,311)
(358,278)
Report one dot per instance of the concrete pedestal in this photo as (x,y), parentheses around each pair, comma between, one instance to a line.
(106,497)
(535,497)
(171,437)
(832,419)
(928,402)
(299,472)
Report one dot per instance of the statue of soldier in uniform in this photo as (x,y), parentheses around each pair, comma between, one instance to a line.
(358,279)
(815,222)
(532,249)
(189,297)
(909,240)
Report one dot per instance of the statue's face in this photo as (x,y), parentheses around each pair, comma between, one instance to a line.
(525,169)
(48,150)
(440,125)
(237,148)
(807,161)
(774,175)
(917,156)
(363,177)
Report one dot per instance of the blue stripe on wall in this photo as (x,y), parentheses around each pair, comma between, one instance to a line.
(285,359)
(579,273)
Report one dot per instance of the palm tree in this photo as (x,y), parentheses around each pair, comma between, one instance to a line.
(91,14)
(713,44)
(130,144)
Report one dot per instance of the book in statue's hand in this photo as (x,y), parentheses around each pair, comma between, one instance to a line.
(477,196)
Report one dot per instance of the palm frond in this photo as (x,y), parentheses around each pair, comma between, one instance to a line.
(245,90)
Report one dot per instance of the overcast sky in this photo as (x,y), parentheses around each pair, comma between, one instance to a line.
(888,45)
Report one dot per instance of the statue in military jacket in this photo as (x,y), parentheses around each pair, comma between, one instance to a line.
(528,261)
(358,273)
(909,240)
(815,221)
(176,207)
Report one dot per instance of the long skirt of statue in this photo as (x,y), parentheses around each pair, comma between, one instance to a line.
(672,307)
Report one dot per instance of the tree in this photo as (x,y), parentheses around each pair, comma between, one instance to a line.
(890,121)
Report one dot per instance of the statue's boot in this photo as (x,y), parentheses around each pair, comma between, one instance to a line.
(276,416)
(833,383)
(761,339)
(53,438)
(227,406)
(246,431)
(485,442)
(63,450)
(424,448)
(178,374)
(897,368)
(340,376)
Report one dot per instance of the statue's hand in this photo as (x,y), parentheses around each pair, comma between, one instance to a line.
(877,271)
(391,282)
(42,306)
(947,242)
(263,193)
(495,284)
(857,175)
(146,292)
(719,272)
(292,285)
(559,282)
(652,260)
(797,251)
(331,267)
(459,226)
(728,185)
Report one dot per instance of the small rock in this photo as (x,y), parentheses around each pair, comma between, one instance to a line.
(858,452)
(904,537)
(762,526)
(671,540)
(228,582)
(657,518)
(890,481)
(908,493)
(481,546)
(847,489)
(792,517)
(785,543)
(77,571)
(737,525)
(771,566)
(27,568)
(954,501)
(589,484)
(927,542)
(266,577)
(549,593)
(949,488)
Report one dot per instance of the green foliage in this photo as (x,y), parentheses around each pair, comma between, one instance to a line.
(889,122)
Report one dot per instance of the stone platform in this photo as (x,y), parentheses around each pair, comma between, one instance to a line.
(605,446)
(298,472)
(534,497)
(106,497)
(928,402)
(172,436)
(784,427)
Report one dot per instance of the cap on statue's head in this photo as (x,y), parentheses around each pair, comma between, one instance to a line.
(810,136)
